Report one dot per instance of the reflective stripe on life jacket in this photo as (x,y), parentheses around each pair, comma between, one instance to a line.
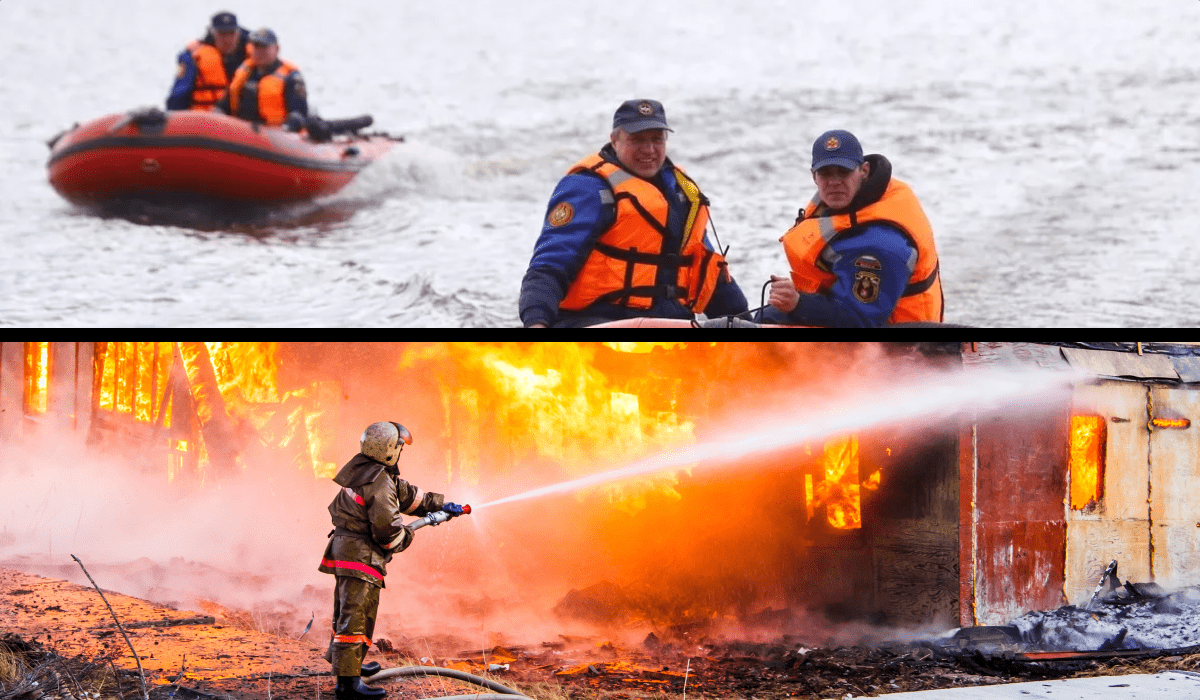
(623,266)
(211,80)
(807,245)
(268,92)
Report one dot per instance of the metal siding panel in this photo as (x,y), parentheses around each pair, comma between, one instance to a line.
(1023,466)
(1020,569)
(1174,483)
(1188,367)
(1120,527)
(1121,364)
(1021,525)
(966,526)
(1092,544)
(1126,483)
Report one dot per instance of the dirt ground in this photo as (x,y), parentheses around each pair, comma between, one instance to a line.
(62,635)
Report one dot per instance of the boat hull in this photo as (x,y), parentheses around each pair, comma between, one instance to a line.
(191,154)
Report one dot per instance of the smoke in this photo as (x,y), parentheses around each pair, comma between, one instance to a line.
(700,535)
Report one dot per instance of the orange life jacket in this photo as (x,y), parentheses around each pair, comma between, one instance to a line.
(272,107)
(623,265)
(806,241)
(211,81)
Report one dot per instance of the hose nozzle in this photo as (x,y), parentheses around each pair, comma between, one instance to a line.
(450,510)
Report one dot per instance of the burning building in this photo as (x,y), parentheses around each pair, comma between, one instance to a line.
(970,516)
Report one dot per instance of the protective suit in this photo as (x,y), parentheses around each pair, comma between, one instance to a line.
(366,516)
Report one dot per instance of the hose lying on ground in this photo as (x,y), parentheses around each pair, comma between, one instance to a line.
(503,692)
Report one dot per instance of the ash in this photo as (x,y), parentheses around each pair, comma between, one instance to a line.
(1136,616)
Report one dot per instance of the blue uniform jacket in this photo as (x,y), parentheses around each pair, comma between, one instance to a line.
(839,308)
(561,251)
(180,96)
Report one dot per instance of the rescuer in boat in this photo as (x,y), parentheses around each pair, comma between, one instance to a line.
(625,237)
(265,89)
(367,532)
(206,65)
(862,251)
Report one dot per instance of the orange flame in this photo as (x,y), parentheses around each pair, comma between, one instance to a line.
(1170,422)
(1086,462)
(841,492)
(547,403)
(37,370)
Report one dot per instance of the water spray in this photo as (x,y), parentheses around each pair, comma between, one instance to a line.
(925,398)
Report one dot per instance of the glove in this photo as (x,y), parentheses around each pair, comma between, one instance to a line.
(455,510)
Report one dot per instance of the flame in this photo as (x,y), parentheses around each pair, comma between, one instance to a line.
(133,379)
(841,487)
(37,370)
(246,371)
(1086,461)
(1170,422)
(233,384)
(546,403)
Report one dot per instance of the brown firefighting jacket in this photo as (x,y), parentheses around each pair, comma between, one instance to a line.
(366,519)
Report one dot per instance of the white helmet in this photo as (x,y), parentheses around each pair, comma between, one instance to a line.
(384,440)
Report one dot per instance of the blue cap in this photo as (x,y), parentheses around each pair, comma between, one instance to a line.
(640,115)
(263,36)
(224,22)
(837,147)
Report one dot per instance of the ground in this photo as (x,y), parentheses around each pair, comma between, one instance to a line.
(62,635)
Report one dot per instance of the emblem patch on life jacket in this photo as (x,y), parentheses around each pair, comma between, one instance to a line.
(868,262)
(561,215)
(866,286)
(832,143)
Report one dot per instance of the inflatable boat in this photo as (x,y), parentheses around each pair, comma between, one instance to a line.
(717,322)
(152,154)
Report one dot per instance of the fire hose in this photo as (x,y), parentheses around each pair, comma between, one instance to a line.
(502,692)
(437,517)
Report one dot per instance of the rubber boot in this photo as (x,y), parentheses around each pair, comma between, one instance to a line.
(370,669)
(352,688)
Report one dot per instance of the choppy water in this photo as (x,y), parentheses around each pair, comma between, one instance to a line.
(1055,146)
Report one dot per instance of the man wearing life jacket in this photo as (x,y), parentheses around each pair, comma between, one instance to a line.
(625,236)
(265,89)
(367,531)
(862,251)
(207,65)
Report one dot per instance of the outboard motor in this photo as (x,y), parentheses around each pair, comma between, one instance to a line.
(148,120)
(322,130)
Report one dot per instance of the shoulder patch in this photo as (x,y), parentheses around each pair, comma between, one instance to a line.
(868,262)
(298,85)
(866,286)
(182,69)
(561,215)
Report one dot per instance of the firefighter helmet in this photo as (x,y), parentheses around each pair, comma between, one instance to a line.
(384,440)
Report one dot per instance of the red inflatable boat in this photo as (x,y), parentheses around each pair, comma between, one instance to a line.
(149,153)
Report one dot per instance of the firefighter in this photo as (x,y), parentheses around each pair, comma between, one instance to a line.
(367,532)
